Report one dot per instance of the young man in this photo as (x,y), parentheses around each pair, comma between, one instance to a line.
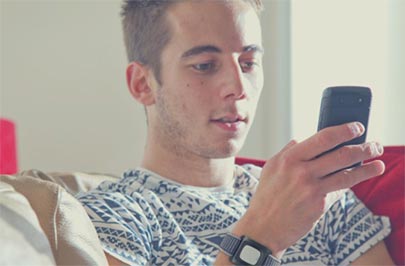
(196,67)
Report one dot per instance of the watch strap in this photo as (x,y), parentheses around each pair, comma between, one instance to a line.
(271,261)
(230,244)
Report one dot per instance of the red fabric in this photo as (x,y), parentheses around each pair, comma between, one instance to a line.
(384,195)
(8,153)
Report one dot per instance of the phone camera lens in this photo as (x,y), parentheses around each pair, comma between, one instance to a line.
(360,100)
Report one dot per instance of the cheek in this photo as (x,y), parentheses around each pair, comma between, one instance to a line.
(256,85)
(198,93)
(188,99)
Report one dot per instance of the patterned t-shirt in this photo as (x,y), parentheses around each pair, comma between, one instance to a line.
(145,219)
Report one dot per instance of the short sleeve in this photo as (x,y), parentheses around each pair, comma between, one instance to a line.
(126,226)
(343,233)
(353,229)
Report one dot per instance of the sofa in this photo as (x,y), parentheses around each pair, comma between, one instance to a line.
(41,222)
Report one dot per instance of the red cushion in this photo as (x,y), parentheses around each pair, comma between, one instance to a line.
(384,195)
(8,153)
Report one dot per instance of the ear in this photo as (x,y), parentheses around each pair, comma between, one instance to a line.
(138,85)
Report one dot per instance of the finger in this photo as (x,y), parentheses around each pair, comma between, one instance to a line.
(289,145)
(327,139)
(344,157)
(350,177)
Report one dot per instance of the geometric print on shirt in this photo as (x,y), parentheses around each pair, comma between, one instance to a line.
(145,219)
(344,232)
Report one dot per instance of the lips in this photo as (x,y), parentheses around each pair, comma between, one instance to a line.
(230,123)
(231,118)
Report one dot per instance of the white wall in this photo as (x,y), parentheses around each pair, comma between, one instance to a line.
(63,82)
(63,63)
(272,126)
(346,42)
(395,97)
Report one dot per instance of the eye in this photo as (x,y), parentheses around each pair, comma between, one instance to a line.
(248,66)
(204,67)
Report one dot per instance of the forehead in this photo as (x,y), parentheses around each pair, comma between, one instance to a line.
(226,24)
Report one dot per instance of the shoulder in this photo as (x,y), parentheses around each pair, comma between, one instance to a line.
(246,177)
(250,169)
(345,231)
(355,229)
(125,219)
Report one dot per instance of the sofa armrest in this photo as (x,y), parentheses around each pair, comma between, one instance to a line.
(72,182)
(23,242)
(71,234)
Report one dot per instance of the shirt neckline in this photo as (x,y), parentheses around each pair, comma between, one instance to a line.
(219,189)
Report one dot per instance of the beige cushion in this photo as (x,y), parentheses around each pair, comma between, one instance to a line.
(23,242)
(71,235)
(73,182)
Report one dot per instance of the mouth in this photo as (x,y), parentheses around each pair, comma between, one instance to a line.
(230,123)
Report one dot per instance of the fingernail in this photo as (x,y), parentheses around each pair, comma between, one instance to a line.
(379,148)
(356,128)
(376,148)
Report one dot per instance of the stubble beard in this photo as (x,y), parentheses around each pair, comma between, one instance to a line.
(178,138)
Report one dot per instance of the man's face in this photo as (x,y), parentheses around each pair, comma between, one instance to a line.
(211,79)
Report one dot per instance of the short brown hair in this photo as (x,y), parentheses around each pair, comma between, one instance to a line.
(146,31)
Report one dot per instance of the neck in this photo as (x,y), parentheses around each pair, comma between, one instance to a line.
(187,168)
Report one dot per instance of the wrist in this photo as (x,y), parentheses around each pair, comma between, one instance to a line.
(250,227)
(246,251)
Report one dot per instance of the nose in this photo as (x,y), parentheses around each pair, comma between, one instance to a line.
(235,84)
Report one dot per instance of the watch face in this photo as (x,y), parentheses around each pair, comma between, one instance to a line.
(249,252)
(249,255)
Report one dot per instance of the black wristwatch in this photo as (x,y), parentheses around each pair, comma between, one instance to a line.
(245,251)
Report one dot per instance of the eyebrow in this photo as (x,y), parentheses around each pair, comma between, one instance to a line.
(201,49)
(213,49)
(253,48)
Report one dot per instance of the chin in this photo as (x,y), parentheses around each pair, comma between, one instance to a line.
(226,150)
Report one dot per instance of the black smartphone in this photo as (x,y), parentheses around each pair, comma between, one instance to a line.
(344,104)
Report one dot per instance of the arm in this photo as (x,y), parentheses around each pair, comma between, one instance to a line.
(291,195)
(113,261)
(377,255)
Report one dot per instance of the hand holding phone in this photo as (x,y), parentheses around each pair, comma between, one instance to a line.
(299,171)
(344,104)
